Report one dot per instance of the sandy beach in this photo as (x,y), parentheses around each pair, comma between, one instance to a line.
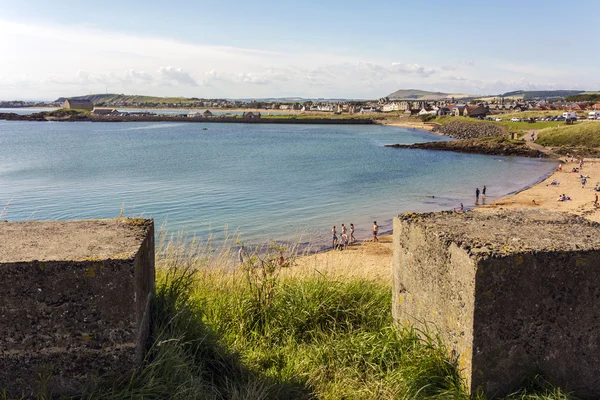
(544,195)
(373,261)
(407,124)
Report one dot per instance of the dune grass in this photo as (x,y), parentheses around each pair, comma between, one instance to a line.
(251,332)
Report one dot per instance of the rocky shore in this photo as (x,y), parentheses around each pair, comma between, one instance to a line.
(175,118)
(492,146)
(469,129)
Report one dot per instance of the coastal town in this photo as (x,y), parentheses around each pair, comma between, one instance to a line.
(316,200)
(480,108)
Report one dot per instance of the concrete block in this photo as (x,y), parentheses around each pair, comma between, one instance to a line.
(510,292)
(74,301)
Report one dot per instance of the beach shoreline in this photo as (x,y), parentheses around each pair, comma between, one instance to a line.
(372,261)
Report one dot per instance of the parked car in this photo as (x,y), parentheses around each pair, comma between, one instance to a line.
(515,119)
(498,119)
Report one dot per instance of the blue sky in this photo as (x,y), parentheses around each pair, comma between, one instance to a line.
(352,49)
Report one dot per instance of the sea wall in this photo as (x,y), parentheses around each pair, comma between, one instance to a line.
(511,293)
(215,119)
(492,146)
(74,302)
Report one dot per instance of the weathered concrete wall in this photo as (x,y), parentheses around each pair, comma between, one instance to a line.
(74,301)
(538,313)
(433,287)
(513,292)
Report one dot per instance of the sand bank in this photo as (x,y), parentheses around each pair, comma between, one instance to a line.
(407,124)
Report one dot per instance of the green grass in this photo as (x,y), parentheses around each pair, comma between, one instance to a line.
(526,126)
(68,112)
(251,333)
(586,134)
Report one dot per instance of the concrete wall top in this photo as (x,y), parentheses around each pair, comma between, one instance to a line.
(71,240)
(491,233)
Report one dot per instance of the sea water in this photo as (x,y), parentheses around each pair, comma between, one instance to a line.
(265,182)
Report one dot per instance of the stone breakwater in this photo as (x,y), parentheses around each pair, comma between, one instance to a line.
(167,118)
(469,130)
(492,146)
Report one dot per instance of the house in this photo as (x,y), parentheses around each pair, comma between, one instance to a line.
(476,112)
(428,111)
(250,115)
(459,110)
(195,114)
(444,111)
(105,112)
(78,104)
(207,114)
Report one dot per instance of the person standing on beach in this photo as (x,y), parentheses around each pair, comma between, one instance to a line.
(344,229)
(375,231)
(334,237)
(352,238)
(241,255)
(477,194)
(483,190)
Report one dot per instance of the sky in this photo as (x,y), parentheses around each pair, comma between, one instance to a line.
(311,49)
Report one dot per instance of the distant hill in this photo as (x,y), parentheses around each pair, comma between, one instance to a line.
(124,99)
(542,94)
(99,99)
(415,94)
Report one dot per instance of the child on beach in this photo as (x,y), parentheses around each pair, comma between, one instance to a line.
(334,238)
(345,241)
(352,238)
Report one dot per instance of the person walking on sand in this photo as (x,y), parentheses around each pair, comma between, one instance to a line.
(334,238)
(352,238)
(596,200)
(344,230)
(583,181)
(375,231)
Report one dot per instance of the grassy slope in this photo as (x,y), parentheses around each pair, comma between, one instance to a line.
(582,135)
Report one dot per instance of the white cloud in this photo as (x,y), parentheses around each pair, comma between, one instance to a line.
(51,61)
(412,69)
(175,76)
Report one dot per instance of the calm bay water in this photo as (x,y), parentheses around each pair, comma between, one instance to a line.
(269,182)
